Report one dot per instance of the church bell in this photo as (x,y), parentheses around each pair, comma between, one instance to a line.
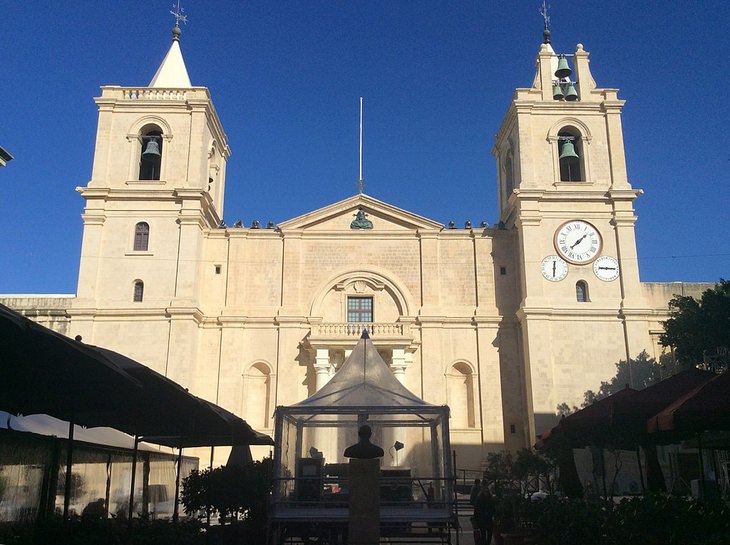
(557,92)
(152,150)
(571,94)
(568,152)
(563,70)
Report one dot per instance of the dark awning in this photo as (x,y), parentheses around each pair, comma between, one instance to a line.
(44,372)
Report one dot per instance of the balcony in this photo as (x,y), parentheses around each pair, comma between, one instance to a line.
(346,334)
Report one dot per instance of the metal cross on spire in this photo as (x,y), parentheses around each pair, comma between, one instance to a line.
(178,13)
(546,30)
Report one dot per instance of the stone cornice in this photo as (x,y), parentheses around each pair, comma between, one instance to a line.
(127,314)
(587,314)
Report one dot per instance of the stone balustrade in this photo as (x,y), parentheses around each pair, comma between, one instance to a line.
(148,93)
(354,329)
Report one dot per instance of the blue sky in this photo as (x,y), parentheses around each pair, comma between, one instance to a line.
(436,77)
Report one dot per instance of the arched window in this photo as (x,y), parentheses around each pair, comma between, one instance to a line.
(150,157)
(138,291)
(570,152)
(460,386)
(141,237)
(509,176)
(257,395)
(581,291)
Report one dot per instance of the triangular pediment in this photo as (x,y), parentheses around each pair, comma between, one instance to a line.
(340,216)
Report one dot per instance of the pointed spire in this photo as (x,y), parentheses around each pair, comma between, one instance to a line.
(172,72)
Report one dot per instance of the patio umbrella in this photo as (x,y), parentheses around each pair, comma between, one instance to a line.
(594,425)
(706,407)
(44,372)
(165,413)
(632,413)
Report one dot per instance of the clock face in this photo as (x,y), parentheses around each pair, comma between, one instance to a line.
(578,242)
(606,268)
(554,268)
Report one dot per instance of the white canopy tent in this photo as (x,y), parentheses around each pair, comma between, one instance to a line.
(311,471)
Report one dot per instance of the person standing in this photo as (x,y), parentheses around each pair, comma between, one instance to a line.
(483,519)
(474,492)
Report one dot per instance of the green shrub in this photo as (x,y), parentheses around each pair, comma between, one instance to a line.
(233,493)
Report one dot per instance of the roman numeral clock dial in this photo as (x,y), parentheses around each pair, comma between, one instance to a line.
(578,242)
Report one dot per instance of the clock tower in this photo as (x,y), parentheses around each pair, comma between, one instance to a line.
(565,197)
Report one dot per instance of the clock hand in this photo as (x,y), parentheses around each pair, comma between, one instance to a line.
(554,264)
(578,241)
(607,268)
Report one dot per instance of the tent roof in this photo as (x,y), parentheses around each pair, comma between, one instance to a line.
(364,382)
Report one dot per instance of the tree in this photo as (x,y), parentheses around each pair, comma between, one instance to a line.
(534,470)
(637,373)
(699,331)
(233,492)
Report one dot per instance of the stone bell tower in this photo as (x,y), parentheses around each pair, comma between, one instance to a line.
(565,196)
(157,185)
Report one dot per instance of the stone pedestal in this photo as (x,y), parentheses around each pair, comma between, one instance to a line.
(364,519)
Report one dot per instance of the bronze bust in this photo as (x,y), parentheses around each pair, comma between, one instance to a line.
(360,221)
(364,449)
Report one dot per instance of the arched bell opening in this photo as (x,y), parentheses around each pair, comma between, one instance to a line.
(150,159)
(570,153)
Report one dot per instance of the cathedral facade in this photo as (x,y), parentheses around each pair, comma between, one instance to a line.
(500,322)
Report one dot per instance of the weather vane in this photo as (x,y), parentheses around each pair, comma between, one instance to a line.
(544,12)
(178,13)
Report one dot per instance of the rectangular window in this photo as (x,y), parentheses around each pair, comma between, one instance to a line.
(360,309)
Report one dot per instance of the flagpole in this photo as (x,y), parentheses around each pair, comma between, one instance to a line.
(360,182)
